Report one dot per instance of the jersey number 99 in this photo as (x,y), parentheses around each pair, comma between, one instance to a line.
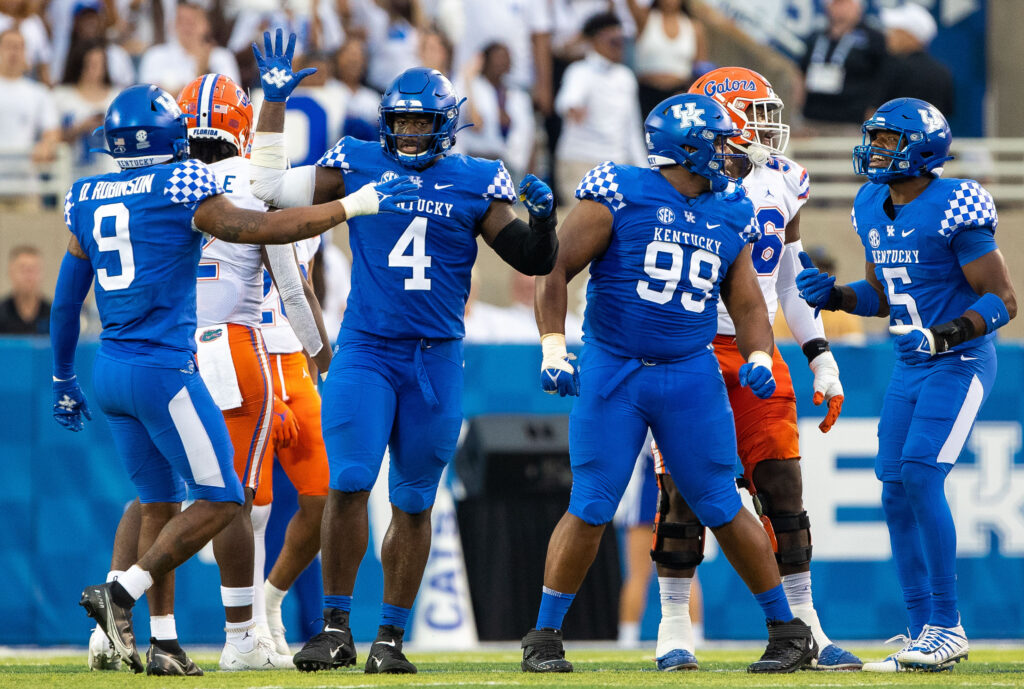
(700,262)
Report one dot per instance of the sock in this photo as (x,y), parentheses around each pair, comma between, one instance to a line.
(798,593)
(273,597)
(134,582)
(394,615)
(675,631)
(343,603)
(240,635)
(553,606)
(925,487)
(629,634)
(259,516)
(161,627)
(113,574)
(774,604)
(905,540)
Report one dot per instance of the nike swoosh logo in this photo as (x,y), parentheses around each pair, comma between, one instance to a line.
(385,643)
(378,661)
(553,377)
(904,233)
(968,358)
(332,629)
(711,227)
(335,652)
(439,187)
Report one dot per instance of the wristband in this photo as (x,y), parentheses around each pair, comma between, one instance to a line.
(950,334)
(812,348)
(759,358)
(992,309)
(553,346)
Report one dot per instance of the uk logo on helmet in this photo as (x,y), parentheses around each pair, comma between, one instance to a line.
(692,116)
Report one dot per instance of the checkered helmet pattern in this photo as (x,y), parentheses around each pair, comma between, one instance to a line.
(970,205)
(334,157)
(501,187)
(190,183)
(599,185)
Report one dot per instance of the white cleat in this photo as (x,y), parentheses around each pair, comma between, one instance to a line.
(937,649)
(276,633)
(102,655)
(261,657)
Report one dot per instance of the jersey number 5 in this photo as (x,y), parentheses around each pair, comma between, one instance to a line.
(700,283)
(903,299)
(120,242)
(416,235)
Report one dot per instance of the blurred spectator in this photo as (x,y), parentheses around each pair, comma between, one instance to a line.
(599,107)
(840,326)
(840,66)
(522,25)
(143,23)
(502,116)
(315,113)
(25,311)
(29,117)
(435,51)
(515,323)
(393,34)
(669,43)
(909,70)
(19,15)
(335,270)
(192,52)
(362,102)
(88,26)
(82,102)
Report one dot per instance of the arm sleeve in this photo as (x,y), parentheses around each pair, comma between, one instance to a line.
(800,317)
(272,181)
(289,285)
(73,285)
(969,246)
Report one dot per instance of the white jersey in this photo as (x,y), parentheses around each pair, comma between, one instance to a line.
(277,333)
(230,284)
(778,191)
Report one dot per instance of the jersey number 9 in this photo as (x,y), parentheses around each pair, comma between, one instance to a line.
(119,242)
(702,274)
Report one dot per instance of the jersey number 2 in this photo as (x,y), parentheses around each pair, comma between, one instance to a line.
(674,273)
(119,242)
(416,236)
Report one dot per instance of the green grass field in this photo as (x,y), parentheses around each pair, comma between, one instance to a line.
(725,669)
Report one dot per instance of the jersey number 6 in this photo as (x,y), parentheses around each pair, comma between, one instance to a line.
(701,261)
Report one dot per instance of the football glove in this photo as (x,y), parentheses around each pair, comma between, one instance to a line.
(380,197)
(756,374)
(827,388)
(275,67)
(913,345)
(69,405)
(285,430)
(815,287)
(557,372)
(537,197)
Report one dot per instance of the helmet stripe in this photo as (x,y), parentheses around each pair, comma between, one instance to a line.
(205,97)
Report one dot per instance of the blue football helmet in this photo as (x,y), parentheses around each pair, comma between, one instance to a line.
(691,130)
(923,145)
(420,90)
(144,126)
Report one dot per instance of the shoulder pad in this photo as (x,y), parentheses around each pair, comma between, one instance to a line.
(190,182)
(967,206)
(601,184)
(336,155)
(500,186)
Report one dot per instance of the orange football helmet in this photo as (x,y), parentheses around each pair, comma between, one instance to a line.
(755,109)
(217,108)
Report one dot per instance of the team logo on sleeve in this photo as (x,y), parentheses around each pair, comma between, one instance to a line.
(666,215)
(874,239)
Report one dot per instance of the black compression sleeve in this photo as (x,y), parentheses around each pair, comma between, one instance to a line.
(530,249)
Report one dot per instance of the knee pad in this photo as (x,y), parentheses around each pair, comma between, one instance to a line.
(777,524)
(411,500)
(355,478)
(691,533)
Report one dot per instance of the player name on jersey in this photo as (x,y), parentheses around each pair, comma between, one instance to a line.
(888,256)
(663,234)
(107,190)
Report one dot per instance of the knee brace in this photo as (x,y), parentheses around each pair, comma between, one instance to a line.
(776,523)
(691,533)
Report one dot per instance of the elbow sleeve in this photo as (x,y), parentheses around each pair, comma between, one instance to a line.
(293,294)
(530,249)
(271,179)
(799,315)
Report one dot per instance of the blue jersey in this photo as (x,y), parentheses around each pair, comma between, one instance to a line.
(918,254)
(411,273)
(136,228)
(653,293)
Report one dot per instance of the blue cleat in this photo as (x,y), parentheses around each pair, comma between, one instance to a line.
(677,659)
(834,658)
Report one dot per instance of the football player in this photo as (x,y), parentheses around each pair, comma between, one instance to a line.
(663,245)
(298,443)
(138,232)
(398,365)
(766,429)
(933,268)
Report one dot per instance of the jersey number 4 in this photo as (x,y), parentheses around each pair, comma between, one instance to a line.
(120,242)
(701,277)
(415,235)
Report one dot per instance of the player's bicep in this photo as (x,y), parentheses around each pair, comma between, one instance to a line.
(495,219)
(990,274)
(328,185)
(75,248)
(584,235)
(740,290)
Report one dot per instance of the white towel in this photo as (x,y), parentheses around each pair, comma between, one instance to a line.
(217,367)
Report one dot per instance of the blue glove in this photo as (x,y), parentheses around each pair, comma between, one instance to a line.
(275,67)
(537,197)
(394,192)
(69,405)
(558,379)
(815,287)
(758,378)
(913,345)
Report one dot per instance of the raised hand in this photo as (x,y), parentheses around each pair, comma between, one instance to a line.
(275,65)
(536,196)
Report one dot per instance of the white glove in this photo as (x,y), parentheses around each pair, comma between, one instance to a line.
(827,387)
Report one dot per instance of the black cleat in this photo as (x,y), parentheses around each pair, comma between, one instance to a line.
(331,648)
(791,647)
(543,652)
(386,655)
(165,662)
(114,620)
